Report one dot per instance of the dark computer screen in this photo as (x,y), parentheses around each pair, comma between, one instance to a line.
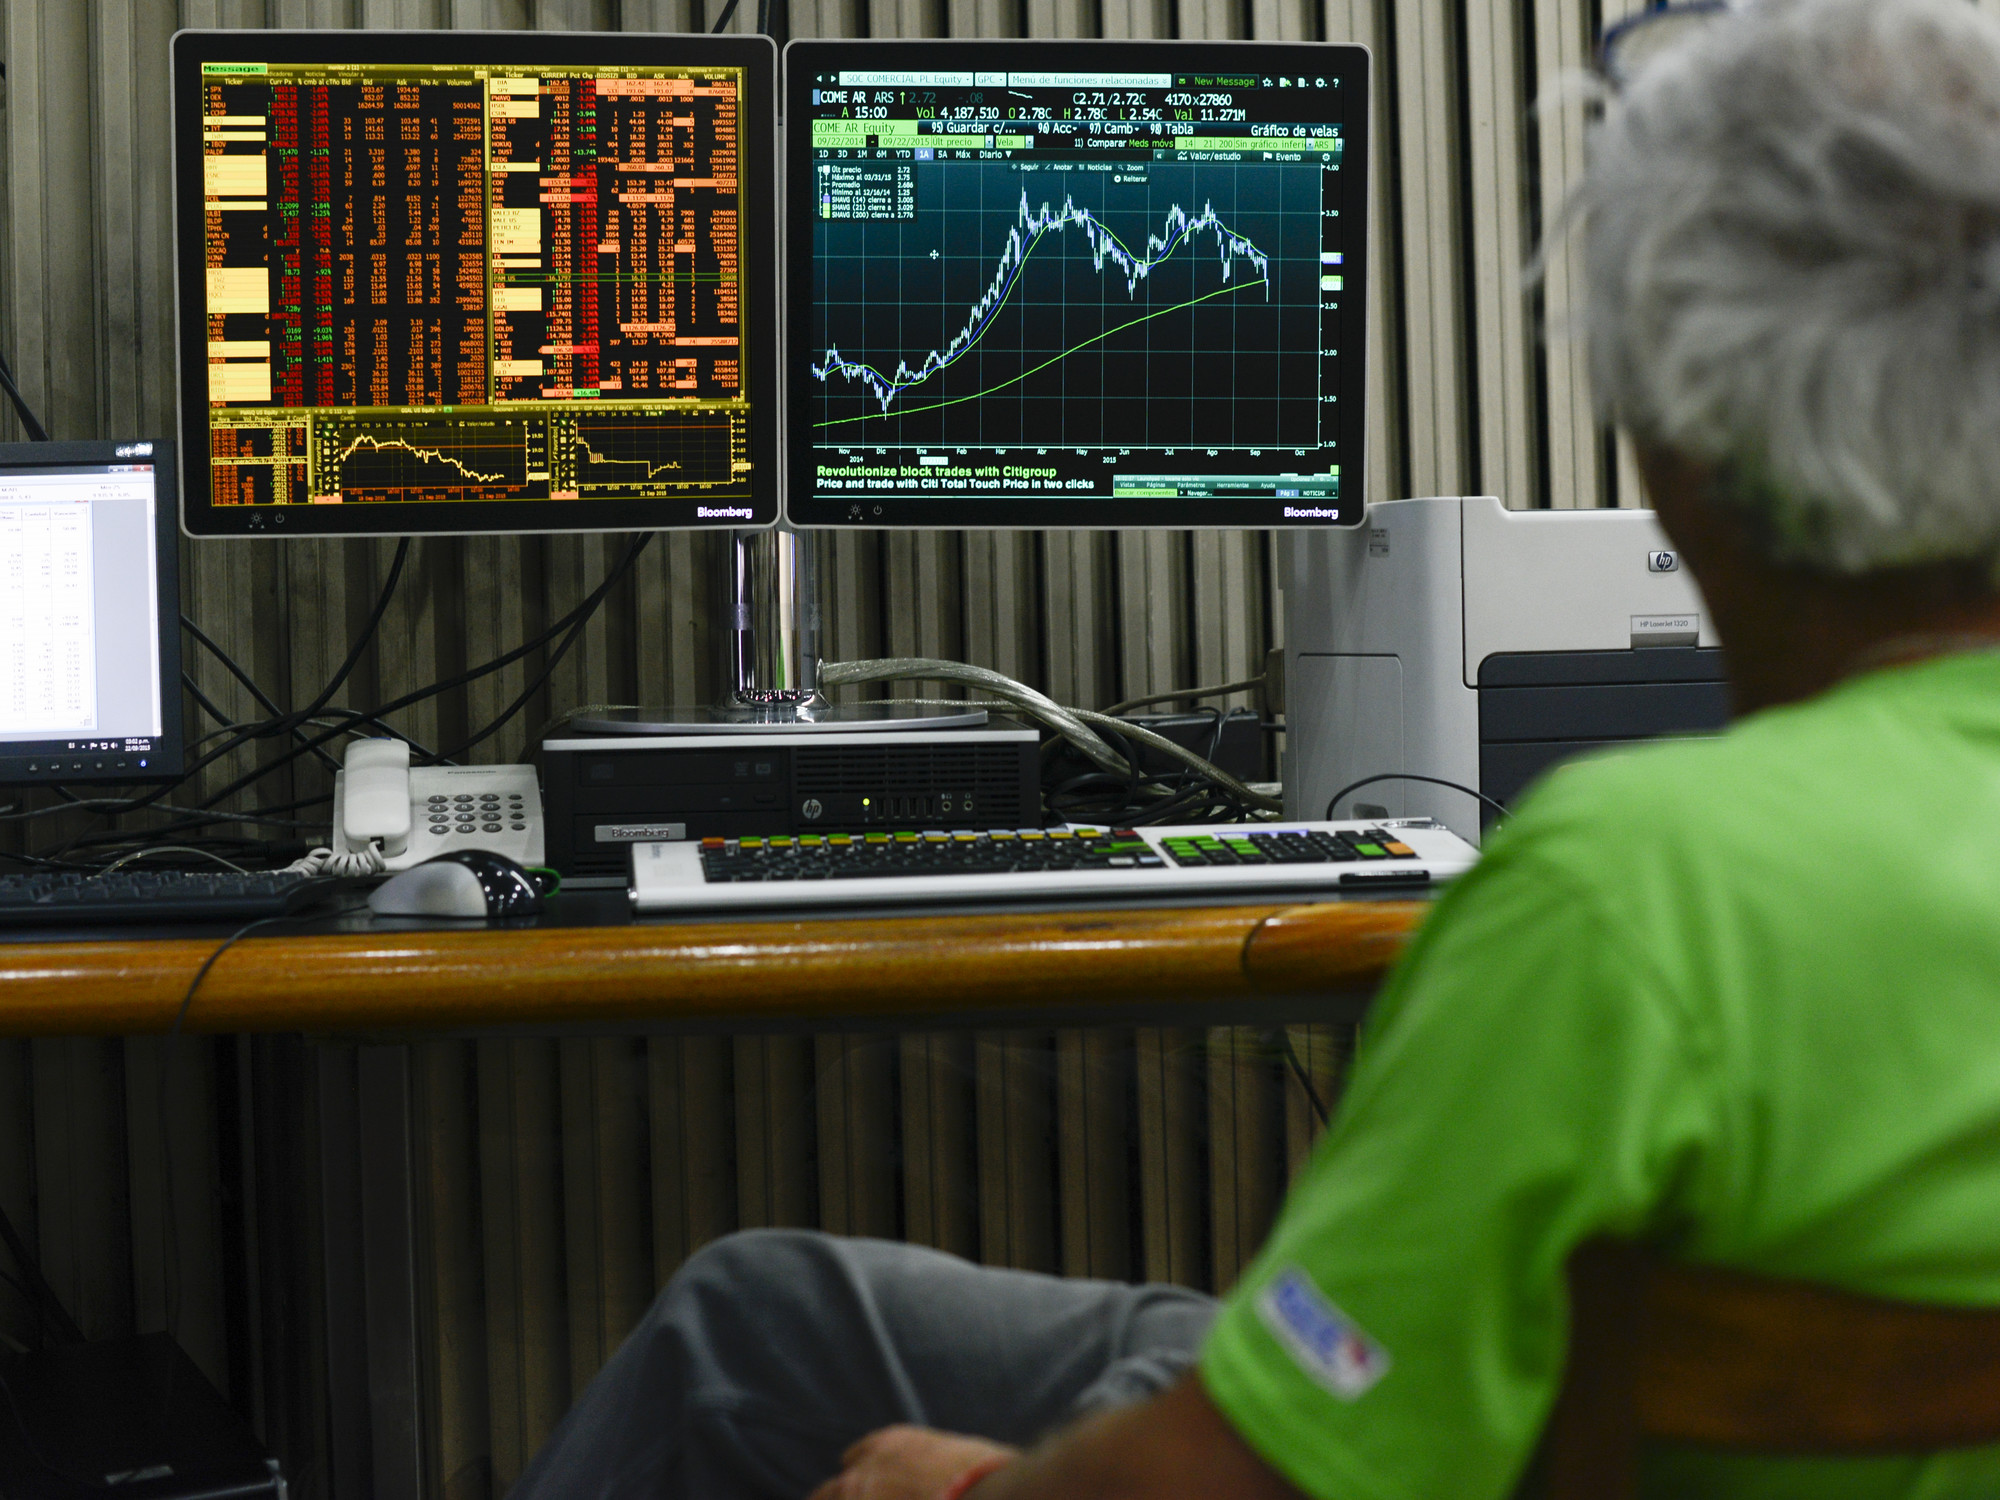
(1075,284)
(90,666)
(475,281)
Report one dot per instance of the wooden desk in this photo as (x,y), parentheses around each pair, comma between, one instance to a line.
(1010,968)
(368,986)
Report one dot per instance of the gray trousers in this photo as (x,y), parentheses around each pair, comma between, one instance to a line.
(772,1350)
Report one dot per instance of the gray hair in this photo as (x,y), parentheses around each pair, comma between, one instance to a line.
(1793,252)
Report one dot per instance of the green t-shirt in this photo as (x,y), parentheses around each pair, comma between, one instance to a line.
(1740,997)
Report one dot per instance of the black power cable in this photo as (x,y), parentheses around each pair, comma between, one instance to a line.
(36,432)
(1355,786)
(203,701)
(1283,1038)
(343,721)
(262,699)
(571,626)
(1138,798)
(574,634)
(27,1297)
(47,1304)
(575,618)
(281,723)
(346,719)
(266,727)
(1220,689)
(360,641)
(170,1268)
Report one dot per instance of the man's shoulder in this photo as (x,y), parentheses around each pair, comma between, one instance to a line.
(1652,786)
(1787,773)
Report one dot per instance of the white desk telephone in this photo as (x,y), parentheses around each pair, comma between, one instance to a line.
(385,808)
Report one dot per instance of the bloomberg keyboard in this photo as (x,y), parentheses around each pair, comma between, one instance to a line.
(46,899)
(920,868)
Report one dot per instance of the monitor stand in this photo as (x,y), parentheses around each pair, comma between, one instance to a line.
(773,664)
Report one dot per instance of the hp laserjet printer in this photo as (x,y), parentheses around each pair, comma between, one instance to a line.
(1455,638)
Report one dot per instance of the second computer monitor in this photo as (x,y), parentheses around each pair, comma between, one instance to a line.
(1075,283)
(90,664)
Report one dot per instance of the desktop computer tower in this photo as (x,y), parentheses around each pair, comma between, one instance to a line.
(602,794)
(1454,638)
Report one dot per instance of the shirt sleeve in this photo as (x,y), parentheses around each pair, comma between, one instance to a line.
(1523,1085)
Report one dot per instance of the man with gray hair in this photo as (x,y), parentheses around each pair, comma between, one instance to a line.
(1734,998)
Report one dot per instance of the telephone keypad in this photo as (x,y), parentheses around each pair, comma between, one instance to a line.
(497,809)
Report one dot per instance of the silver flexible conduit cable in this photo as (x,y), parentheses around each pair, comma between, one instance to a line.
(1182,754)
(1073,724)
(1036,705)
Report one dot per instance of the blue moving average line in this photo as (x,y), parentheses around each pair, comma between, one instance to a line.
(1027,232)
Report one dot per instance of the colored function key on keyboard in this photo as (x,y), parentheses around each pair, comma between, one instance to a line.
(1286,847)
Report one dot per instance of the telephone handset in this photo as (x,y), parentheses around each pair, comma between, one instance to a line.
(388,810)
(373,799)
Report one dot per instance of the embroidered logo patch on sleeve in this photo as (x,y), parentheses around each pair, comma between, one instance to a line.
(1324,1340)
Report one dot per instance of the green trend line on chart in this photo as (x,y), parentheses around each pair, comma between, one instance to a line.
(876,416)
(1027,233)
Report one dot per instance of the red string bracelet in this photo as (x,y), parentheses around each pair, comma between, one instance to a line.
(958,1488)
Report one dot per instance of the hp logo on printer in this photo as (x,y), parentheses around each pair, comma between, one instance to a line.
(1663,562)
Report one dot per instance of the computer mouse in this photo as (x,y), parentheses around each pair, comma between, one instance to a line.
(465,883)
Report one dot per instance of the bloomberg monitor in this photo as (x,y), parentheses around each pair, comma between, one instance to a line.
(90,666)
(475,281)
(1075,283)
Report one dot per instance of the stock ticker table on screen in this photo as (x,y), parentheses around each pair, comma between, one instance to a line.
(509,271)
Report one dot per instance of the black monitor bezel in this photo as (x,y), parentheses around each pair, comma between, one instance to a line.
(757,247)
(172,751)
(805,58)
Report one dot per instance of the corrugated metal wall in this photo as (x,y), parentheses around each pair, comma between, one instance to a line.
(1463,394)
(559,1181)
(554,1184)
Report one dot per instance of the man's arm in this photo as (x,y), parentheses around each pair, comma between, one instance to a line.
(1177,1445)
(1530,1079)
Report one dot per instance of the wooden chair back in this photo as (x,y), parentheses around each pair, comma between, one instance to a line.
(1700,1357)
